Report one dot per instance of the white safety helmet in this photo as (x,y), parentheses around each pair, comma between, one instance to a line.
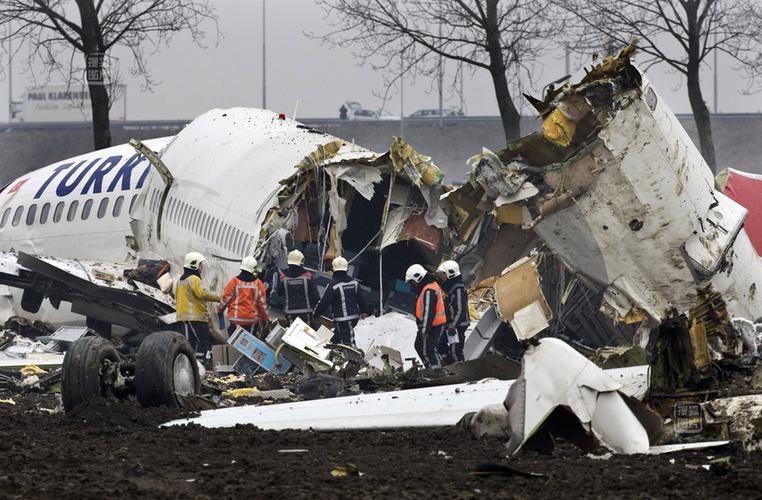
(340,264)
(449,268)
(193,260)
(249,264)
(415,273)
(295,258)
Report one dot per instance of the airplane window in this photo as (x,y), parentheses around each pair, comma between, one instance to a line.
(132,202)
(86,209)
(213,232)
(72,211)
(17,216)
(208,227)
(30,214)
(225,236)
(246,245)
(44,213)
(170,208)
(117,206)
(102,208)
(6,214)
(231,242)
(231,239)
(241,242)
(237,242)
(58,211)
(203,225)
(194,220)
(186,212)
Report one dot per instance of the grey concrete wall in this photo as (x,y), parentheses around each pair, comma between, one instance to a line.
(24,147)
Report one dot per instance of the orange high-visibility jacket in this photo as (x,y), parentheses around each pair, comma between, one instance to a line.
(245,301)
(440,316)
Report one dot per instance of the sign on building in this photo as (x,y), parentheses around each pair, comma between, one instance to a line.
(61,103)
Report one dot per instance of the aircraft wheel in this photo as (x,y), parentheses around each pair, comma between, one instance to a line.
(84,367)
(165,367)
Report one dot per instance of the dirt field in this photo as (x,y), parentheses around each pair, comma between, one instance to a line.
(115,449)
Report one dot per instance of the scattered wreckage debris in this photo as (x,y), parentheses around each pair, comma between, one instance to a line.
(585,230)
(434,406)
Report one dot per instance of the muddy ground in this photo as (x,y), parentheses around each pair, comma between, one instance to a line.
(116,450)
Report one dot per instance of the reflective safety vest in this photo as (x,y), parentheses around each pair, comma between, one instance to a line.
(440,316)
(245,301)
(192,298)
(297,293)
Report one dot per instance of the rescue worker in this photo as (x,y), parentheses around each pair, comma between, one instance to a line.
(244,298)
(430,314)
(298,290)
(456,304)
(191,305)
(346,301)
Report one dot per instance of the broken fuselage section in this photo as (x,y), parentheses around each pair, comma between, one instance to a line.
(615,188)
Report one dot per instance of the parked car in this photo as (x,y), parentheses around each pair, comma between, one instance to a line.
(385,115)
(363,114)
(434,113)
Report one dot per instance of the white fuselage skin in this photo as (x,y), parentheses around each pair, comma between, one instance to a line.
(227,167)
(76,208)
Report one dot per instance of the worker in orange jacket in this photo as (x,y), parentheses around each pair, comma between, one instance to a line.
(244,298)
(430,314)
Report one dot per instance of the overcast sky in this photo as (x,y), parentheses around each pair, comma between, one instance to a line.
(319,78)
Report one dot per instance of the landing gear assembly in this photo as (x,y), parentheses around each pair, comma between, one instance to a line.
(163,372)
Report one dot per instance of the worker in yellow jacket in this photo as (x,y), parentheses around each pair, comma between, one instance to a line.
(191,305)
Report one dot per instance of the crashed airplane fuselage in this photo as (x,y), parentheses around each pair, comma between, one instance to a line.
(233,183)
(617,190)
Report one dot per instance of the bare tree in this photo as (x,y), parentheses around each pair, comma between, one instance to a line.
(679,33)
(56,31)
(501,36)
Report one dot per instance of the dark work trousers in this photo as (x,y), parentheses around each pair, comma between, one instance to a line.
(459,356)
(344,333)
(452,353)
(197,333)
(306,317)
(253,329)
(426,346)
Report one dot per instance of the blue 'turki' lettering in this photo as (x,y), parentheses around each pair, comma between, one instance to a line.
(143,177)
(125,172)
(64,187)
(47,182)
(96,180)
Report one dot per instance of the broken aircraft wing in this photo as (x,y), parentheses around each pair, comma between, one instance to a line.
(95,289)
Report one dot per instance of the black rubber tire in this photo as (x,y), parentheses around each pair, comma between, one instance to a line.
(154,368)
(81,374)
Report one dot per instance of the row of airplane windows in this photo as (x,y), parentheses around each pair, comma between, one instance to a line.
(60,208)
(197,221)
